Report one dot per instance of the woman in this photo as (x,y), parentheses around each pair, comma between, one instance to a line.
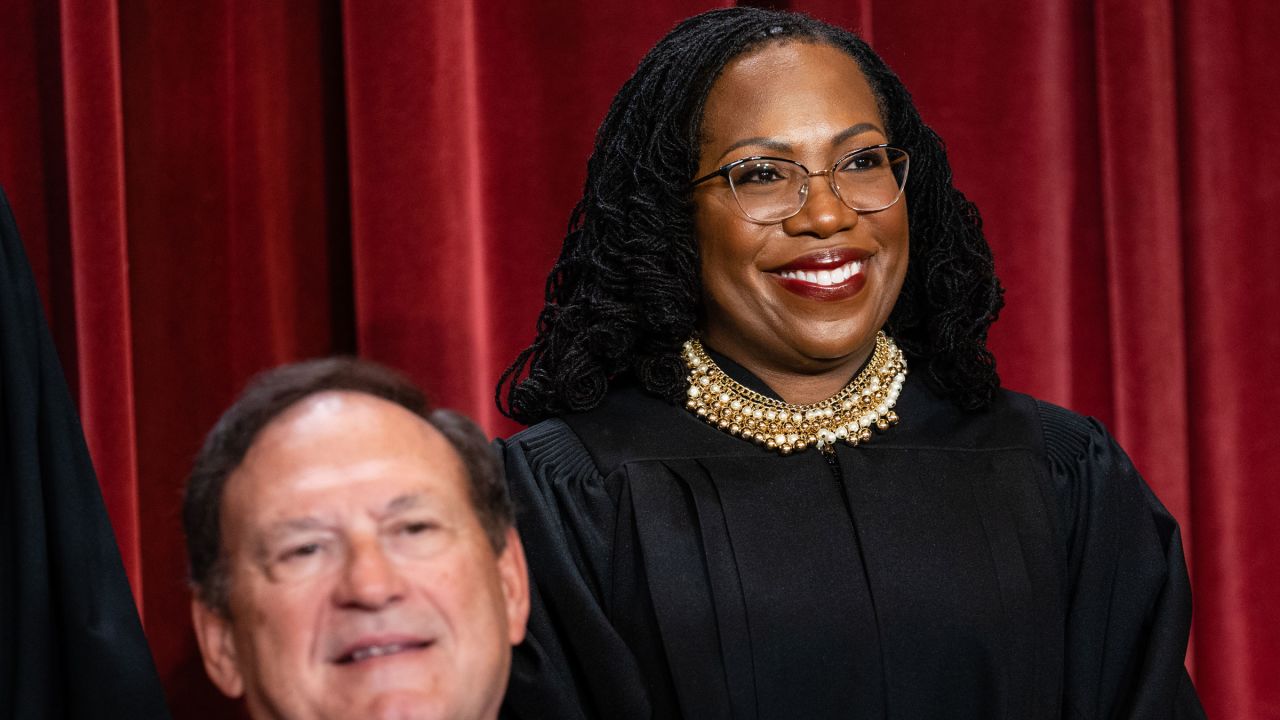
(719,521)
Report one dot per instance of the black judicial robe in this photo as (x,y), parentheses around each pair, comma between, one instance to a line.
(1007,564)
(71,645)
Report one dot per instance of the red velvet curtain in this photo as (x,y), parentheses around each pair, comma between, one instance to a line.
(209,189)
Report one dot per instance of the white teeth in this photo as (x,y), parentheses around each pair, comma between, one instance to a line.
(376,651)
(826,278)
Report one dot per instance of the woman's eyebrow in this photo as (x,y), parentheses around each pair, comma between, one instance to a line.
(760,141)
(782,147)
(853,131)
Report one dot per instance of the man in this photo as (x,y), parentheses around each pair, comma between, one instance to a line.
(352,554)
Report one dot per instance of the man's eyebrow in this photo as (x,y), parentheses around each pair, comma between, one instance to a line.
(403,502)
(279,531)
(294,525)
(302,524)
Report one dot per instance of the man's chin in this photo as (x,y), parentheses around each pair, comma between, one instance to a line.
(409,704)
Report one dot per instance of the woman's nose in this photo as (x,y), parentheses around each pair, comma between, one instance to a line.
(823,214)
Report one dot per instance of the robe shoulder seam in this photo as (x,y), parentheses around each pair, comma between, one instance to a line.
(554,451)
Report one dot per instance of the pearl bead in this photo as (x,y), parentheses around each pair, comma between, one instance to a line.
(868,400)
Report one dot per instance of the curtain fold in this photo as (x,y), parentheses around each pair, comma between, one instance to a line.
(94,123)
(1139,154)
(1229,127)
(208,190)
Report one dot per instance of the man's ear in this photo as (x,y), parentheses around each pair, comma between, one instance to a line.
(514,574)
(217,646)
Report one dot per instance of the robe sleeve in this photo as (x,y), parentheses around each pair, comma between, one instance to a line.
(572,663)
(1128,594)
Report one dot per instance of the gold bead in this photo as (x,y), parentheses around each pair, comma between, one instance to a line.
(865,401)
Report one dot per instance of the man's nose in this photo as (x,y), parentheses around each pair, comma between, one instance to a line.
(370,579)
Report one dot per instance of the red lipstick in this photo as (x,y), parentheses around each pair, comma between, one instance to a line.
(825,275)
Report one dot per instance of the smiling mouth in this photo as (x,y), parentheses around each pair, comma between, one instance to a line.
(825,278)
(369,652)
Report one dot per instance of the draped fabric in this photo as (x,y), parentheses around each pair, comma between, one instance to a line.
(1005,564)
(209,189)
(70,641)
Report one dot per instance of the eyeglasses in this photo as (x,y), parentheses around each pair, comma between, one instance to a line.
(770,189)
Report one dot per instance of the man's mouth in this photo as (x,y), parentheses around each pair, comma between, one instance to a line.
(825,278)
(361,653)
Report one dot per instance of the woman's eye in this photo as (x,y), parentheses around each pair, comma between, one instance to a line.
(867,161)
(761,174)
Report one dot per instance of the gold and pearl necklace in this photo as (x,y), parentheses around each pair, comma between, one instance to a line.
(866,402)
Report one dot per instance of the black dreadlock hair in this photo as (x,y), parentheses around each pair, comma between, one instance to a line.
(624,294)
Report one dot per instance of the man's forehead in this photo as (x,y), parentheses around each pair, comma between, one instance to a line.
(345,408)
(332,425)
(331,443)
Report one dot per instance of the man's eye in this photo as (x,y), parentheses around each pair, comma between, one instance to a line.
(417,527)
(300,551)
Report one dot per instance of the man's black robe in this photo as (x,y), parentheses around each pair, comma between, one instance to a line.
(71,645)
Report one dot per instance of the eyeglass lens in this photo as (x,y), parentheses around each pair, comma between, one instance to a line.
(770,190)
